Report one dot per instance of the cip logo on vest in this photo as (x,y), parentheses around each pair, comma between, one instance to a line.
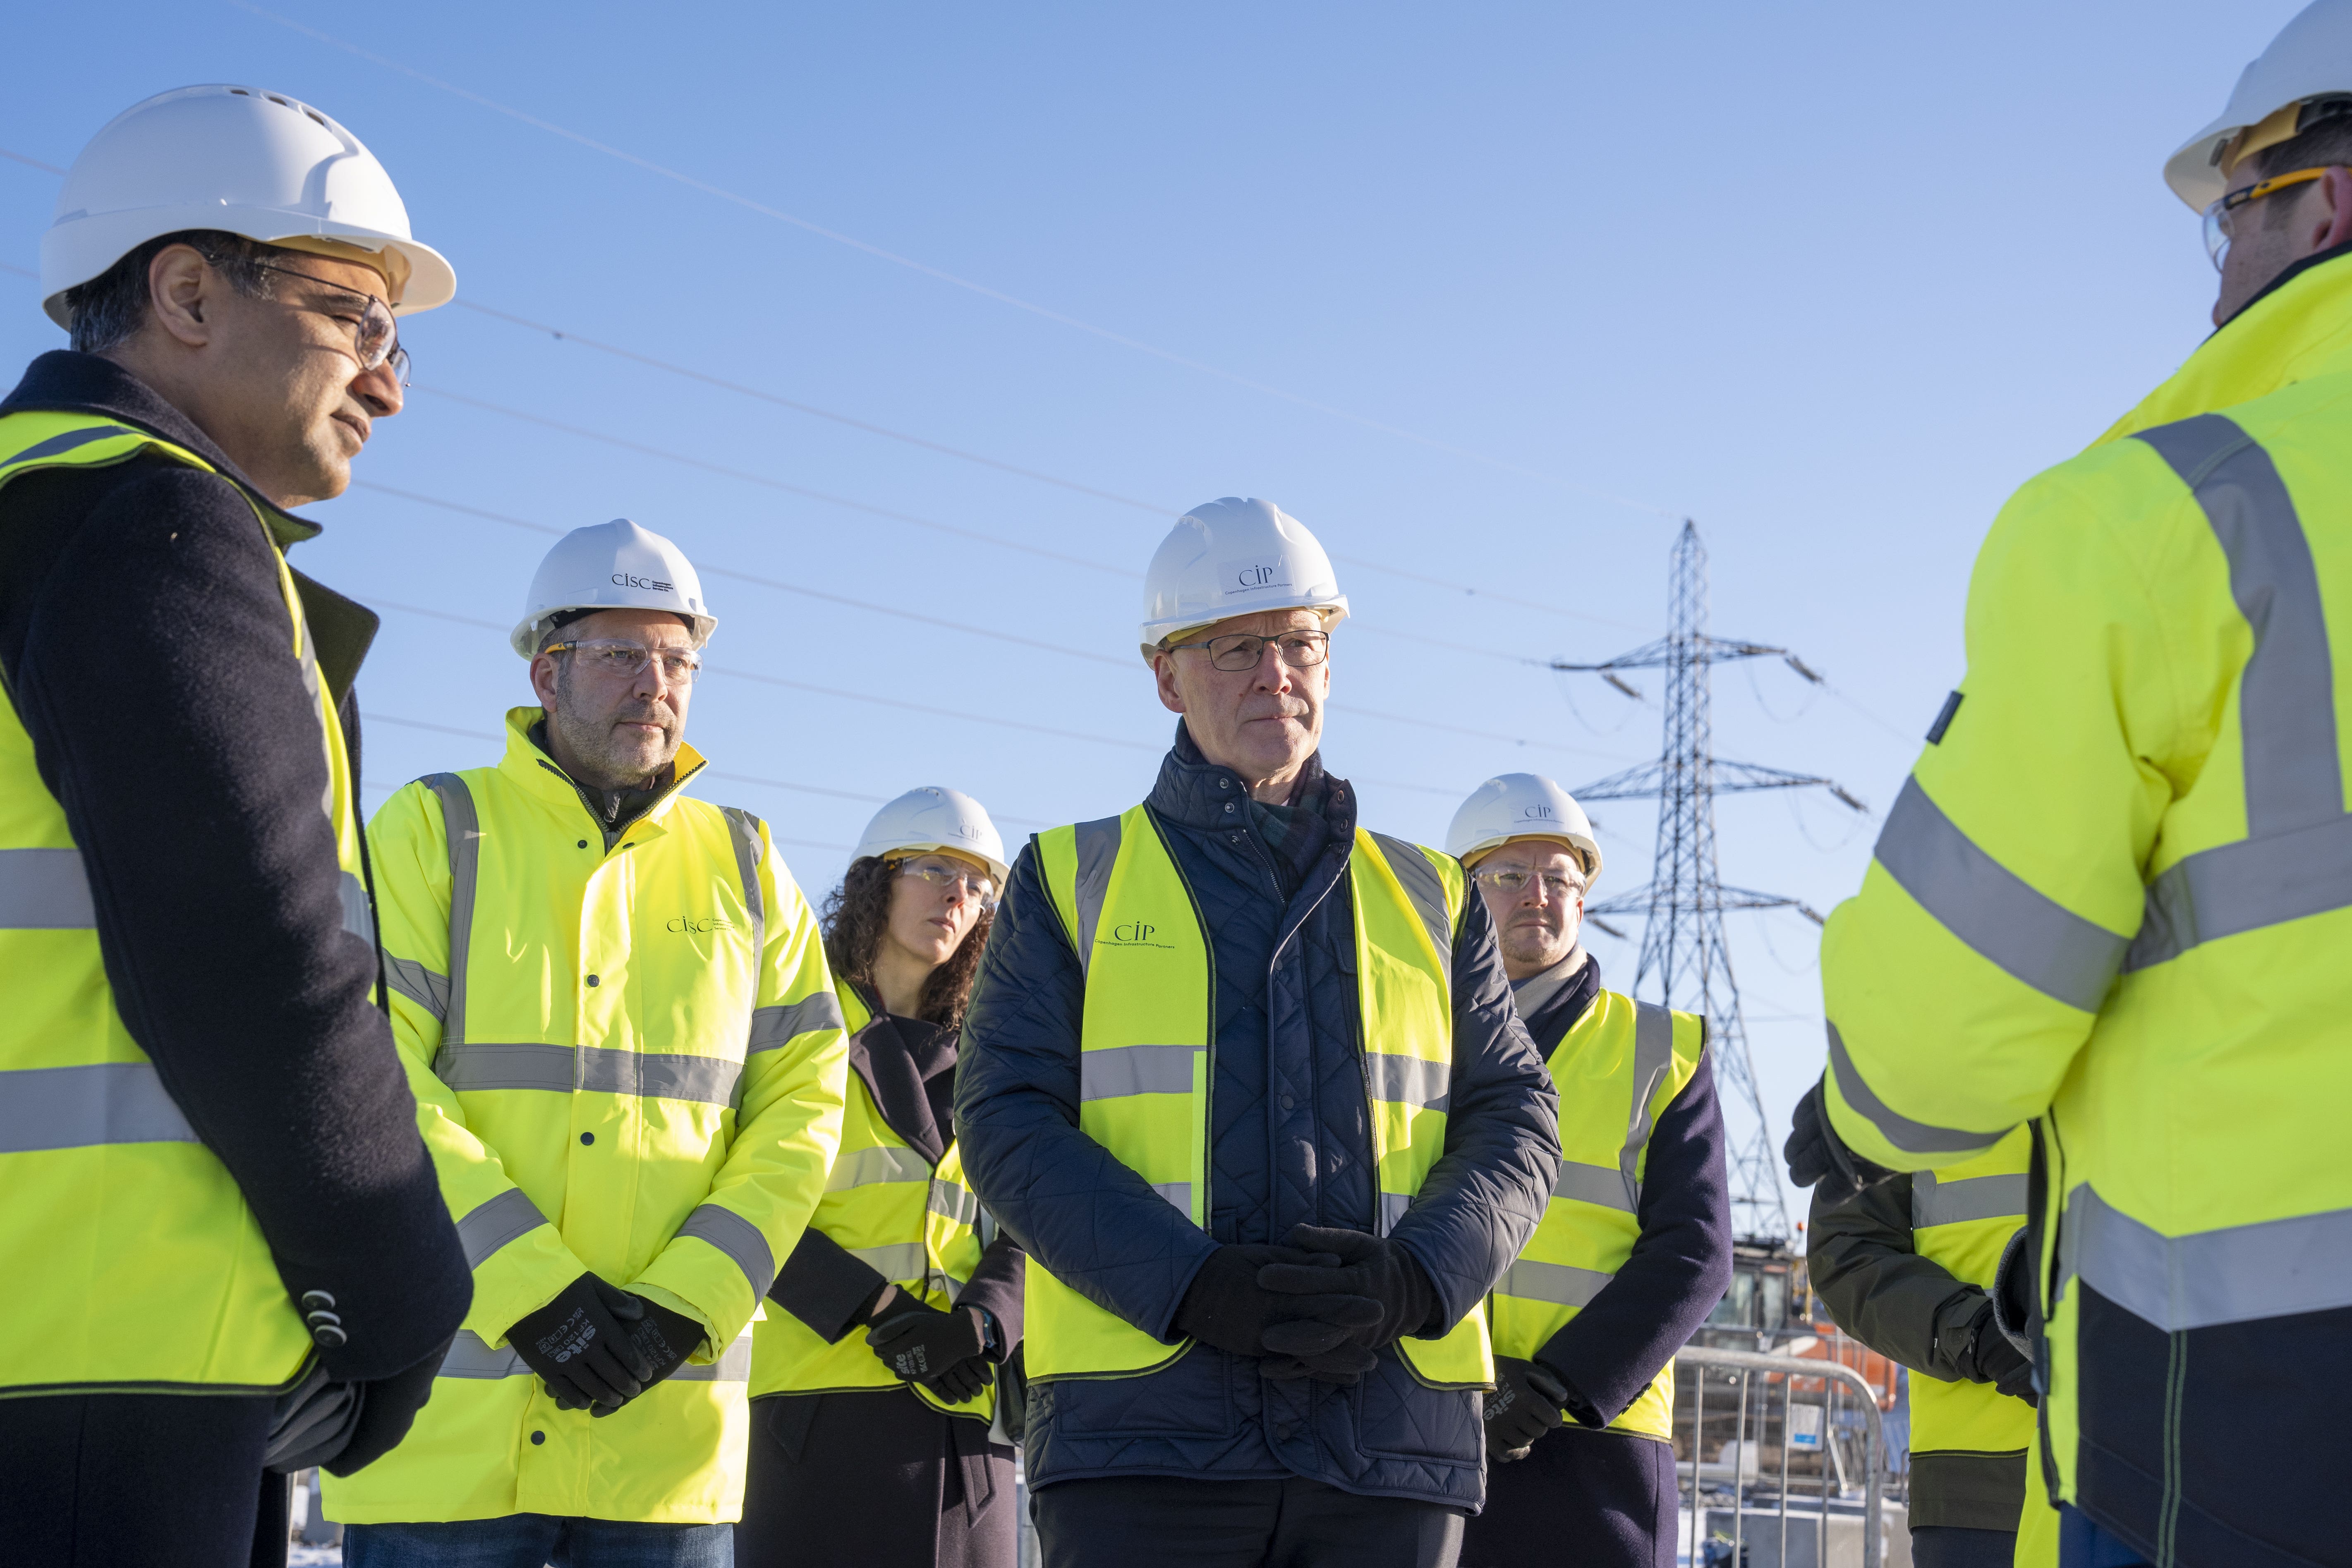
(1132,934)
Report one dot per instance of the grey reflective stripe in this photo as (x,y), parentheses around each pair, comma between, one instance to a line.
(1392,1207)
(470,1355)
(1976,1197)
(2034,939)
(1653,1057)
(56,445)
(735,1366)
(738,1238)
(1119,1070)
(774,1028)
(958,1205)
(1178,1193)
(359,915)
(87,1107)
(492,1224)
(1097,845)
(706,1081)
(464,829)
(421,985)
(873,1167)
(2272,1268)
(1427,891)
(1408,1081)
(901,1261)
(44,890)
(468,1067)
(749,848)
(1555,1282)
(1911,1137)
(1598,1185)
(2296,856)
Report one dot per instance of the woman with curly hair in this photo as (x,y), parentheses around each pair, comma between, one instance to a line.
(886,1449)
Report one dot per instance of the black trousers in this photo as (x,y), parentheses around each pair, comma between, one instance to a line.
(1580,1499)
(873,1481)
(1954,1546)
(1119,1522)
(96,1481)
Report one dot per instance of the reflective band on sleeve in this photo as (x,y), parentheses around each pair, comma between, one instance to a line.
(463,829)
(1427,892)
(876,1165)
(1556,1282)
(899,1262)
(1123,1070)
(492,1224)
(2240,1273)
(706,1081)
(1593,1185)
(43,889)
(359,915)
(1408,1081)
(67,443)
(421,985)
(1911,1137)
(749,848)
(470,1355)
(1653,1057)
(1097,846)
(951,1202)
(1957,1203)
(735,1366)
(87,1107)
(2035,940)
(775,1027)
(469,1067)
(738,1238)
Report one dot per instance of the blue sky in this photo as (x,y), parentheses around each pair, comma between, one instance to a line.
(1489,297)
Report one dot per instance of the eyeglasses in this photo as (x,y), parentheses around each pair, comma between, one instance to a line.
(375,337)
(1510,882)
(625,660)
(2219,222)
(948,877)
(1243,650)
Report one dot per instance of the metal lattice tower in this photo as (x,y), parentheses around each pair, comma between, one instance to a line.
(1685,961)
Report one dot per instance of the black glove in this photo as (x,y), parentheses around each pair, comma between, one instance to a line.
(1996,1361)
(944,1352)
(582,1346)
(1816,1154)
(1226,1308)
(663,1337)
(1370,1266)
(1526,1403)
(388,1408)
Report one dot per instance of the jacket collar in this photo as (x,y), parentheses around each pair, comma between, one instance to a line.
(880,1056)
(1551,1021)
(530,769)
(1194,792)
(2300,327)
(62,381)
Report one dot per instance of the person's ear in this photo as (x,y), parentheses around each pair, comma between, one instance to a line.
(1163,674)
(2334,226)
(182,289)
(542,680)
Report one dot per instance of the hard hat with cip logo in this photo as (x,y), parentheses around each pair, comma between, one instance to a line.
(614,566)
(933,818)
(1522,805)
(1236,557)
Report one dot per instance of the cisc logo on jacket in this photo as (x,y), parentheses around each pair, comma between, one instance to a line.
(1256,577)
(707,923)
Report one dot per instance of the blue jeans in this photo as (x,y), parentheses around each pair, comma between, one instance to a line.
(2082,1544)
(535,1540)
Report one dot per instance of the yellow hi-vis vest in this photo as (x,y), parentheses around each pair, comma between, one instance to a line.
(1961,1218)
(1617,1069)
(151,1271)
(1149,1030)
(919,1227)
(626,1061)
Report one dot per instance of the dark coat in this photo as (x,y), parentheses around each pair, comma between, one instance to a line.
(144,642)
(1290,1145)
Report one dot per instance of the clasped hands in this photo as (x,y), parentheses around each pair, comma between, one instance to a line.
(1318,1306)
(946,1352)
(597,1346)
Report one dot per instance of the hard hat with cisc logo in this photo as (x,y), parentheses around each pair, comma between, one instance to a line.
(614,566)
(935,818)
(243,161)
(1522,805)
(1236,557)
(2303,78)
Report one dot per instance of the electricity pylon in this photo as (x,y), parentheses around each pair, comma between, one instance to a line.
(1683,952)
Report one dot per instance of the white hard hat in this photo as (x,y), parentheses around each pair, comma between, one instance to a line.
(2310,59)
(1237,557)
(1523,805)
(240,160)
(614,566)
(935,818)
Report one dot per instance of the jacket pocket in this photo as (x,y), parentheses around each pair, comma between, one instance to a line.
(1397,1418)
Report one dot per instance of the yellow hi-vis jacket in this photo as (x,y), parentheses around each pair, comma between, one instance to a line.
(106,1196)
(1146,1029)
(2114,900)
(1962,1218)
(917,1227)
(626,1061)
(1617,1069)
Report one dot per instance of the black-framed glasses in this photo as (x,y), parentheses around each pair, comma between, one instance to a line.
(945,876)
(1242,650)
(375,336)
(625,660)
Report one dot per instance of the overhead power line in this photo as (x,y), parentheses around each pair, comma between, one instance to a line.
(36,163)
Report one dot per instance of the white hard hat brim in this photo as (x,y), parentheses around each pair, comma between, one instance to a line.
(2191,172)
(75,253)
(1333,610)
(1583,844)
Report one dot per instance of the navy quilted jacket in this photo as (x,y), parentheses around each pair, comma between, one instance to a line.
(1290,1145)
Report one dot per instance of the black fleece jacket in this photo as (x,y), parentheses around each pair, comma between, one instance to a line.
(144,644)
